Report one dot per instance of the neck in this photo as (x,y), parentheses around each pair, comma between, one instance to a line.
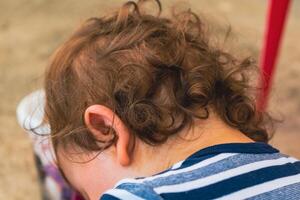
(148,160)
(202,135)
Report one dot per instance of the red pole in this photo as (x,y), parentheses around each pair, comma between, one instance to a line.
(277,13)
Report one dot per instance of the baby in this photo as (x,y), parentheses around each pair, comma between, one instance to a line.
(142,106)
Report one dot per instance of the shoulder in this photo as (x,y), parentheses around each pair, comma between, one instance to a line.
(117,194)
(131,189)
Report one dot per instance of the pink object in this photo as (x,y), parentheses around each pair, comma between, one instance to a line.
(277,13)
(77,196)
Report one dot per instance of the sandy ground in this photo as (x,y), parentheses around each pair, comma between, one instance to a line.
(31,29)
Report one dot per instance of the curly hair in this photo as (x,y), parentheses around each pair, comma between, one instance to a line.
(158,74)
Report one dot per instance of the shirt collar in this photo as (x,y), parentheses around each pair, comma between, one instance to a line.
(251,148)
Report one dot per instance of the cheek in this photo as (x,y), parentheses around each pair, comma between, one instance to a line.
(93,177)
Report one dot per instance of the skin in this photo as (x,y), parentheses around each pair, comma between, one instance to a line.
(129,157)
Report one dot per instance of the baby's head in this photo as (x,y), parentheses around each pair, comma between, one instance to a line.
(132,81)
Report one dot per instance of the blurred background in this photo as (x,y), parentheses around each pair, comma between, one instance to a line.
(30,30)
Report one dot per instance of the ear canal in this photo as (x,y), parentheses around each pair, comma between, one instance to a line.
(98,123)
(99,127)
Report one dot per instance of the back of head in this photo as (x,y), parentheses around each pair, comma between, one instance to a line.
(158,74)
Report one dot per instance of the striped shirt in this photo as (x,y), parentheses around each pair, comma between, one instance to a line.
(227,171)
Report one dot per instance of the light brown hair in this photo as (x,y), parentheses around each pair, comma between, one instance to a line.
(156,73)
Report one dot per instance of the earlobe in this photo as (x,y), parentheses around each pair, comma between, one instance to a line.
(99,118)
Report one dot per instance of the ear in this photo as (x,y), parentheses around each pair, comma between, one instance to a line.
(99,117)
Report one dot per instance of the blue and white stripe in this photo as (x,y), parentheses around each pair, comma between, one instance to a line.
(234,175)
